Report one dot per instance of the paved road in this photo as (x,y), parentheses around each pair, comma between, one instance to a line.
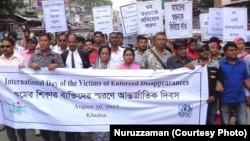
(31,136)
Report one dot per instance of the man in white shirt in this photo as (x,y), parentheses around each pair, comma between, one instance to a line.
(116,51)
(61,44)
(9,58)
(74,58)
(80,57)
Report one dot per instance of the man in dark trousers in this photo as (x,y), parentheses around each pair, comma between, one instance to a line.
(233,75)
(74,58)
(46,58)
(213,72)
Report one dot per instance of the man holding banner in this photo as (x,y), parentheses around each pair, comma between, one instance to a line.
(213,71)
(46,58)
(9,58)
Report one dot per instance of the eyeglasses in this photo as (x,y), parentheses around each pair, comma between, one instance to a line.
(64,40)
(204,50)
(6,46)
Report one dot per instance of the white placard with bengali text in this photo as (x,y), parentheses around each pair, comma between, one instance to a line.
(92,99)
(204,27)
(54,16)
(178,19)
(129,19)
(103,19)
(215,22)
(234,25)
(150,17)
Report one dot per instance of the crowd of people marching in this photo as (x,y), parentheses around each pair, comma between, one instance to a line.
(228,67)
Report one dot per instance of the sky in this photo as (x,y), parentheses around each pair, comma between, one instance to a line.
(118,3)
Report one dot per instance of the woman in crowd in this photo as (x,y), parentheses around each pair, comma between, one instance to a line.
(102,62)
(103,57)
(191,50)
(215,49)
(242,53)
(129,56)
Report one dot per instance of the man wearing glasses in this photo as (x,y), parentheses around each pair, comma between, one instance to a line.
(213,72)
(9,58)
(61,44)
(31,44)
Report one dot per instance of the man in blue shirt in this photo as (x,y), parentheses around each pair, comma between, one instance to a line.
(233,76)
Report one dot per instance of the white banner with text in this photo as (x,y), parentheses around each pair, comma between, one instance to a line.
(91,100)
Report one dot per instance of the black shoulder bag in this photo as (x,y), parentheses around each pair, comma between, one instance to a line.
(157,57)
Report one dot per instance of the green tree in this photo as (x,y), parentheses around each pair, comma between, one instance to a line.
(9,7)
(92,3)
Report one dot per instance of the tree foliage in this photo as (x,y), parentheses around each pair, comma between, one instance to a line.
(92,3)
(8,7)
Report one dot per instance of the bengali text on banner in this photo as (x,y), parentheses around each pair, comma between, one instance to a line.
(91,100)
